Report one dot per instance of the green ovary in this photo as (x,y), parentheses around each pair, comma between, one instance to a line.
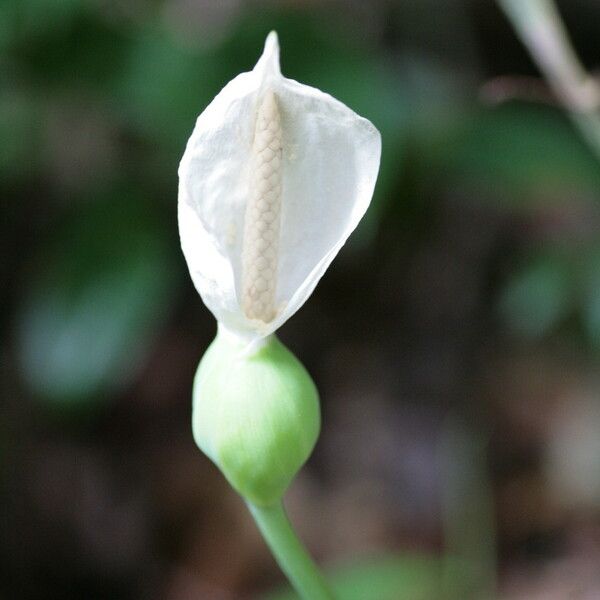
(255,415)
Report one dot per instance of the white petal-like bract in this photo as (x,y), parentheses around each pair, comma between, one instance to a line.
(275,177)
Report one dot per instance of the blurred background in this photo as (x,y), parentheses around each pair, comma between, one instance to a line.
(455,341)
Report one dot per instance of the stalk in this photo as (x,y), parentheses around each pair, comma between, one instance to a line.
(538,24)
(290,553)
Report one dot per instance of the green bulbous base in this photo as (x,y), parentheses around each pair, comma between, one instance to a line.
(256,415)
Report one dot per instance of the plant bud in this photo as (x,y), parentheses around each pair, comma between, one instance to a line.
(256,415)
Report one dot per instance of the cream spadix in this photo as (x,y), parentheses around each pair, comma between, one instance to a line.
(261,229)
(274,178)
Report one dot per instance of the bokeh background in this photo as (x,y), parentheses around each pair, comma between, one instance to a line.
(455,341)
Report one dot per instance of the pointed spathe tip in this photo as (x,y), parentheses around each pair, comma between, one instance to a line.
(272,41)
(269,61)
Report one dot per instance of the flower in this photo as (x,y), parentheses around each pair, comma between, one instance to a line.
(275,176)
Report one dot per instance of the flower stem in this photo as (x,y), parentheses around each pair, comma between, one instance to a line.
(290,553)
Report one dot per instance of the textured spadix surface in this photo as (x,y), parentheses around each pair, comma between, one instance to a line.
(263,213)
(274,178)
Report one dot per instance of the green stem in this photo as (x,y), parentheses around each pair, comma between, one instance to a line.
(290,553)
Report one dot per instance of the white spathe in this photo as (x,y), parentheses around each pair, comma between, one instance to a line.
(329,164)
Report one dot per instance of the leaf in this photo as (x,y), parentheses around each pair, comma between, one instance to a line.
(164,86)
(20,123)
(590,307)
(519,151)
(100,293)
(537,297)
(26,19)
(65,46)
